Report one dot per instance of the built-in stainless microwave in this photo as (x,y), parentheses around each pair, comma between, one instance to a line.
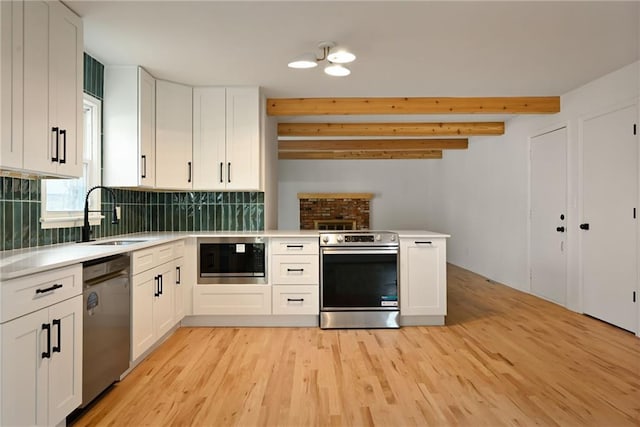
(232,260)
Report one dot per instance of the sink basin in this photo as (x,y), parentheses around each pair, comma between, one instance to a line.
(119,242)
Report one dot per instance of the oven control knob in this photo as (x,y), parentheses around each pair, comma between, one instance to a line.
(339,238)
(393,237)
(325,239)
(378,237)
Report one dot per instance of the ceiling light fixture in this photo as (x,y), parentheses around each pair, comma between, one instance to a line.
(334,55)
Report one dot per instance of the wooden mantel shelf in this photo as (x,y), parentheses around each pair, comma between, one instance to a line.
(367,196)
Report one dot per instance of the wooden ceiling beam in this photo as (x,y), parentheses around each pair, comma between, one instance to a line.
(358,155)
(391,129)
(434,105)
(373,144)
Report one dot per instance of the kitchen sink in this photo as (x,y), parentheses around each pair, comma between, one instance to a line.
(119,242)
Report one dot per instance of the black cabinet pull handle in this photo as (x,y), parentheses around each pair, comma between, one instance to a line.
(189,165)
(49,289)
(300,270)
(144,166)
(63,132)
(584,226)
(295,246)
(178,275)
(160,293)
(229,172)
(57,142)
(428,242)
(57,348)
(221,167)
(156,292)
(47,354)
(560,229)
(295,299)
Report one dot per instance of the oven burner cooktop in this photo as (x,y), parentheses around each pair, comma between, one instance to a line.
(359,238)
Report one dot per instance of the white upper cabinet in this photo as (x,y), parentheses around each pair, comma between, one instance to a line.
(129,127)
(174,164)
(226,134)
(243,138)
(65,87)
(10,71)
(42,45)
(209,138)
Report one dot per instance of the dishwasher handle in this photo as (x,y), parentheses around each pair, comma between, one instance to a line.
(106,277)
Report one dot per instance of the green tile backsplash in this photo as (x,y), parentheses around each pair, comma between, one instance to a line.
(141,210)
(93,77)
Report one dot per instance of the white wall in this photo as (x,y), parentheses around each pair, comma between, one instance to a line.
(399,187)
(480,196)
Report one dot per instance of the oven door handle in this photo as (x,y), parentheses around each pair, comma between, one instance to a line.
(360,251)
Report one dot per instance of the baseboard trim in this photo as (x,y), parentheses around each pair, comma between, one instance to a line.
(256,320)
(421,320)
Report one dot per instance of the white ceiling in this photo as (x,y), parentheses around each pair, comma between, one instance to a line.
(414,48)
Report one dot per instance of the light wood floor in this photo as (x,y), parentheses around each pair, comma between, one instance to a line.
(504,358)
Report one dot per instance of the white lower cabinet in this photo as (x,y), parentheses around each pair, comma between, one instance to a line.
(41,359)
(232,299)
(178,282)
(295,299)
(295,275)
(423,276)
(154,286)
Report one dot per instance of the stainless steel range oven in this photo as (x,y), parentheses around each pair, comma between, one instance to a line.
(359,280)
(232,260)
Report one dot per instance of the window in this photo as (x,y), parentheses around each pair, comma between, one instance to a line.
(63,199)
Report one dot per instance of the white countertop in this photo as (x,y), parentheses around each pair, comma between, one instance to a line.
(21,262)
(421,234)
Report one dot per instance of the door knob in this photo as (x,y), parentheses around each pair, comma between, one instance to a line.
(560,229)
(584,226)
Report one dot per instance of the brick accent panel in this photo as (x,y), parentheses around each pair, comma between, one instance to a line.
(345,209)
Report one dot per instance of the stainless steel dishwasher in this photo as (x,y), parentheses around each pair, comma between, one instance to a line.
(106,330)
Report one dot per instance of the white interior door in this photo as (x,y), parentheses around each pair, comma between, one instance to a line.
(610,193)
(548,215)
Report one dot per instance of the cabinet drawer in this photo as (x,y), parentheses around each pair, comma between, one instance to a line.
(143,260)
(293,299)
(178,249)
(232,299)
(30,293)
(295,270)
(281,246)
(146,259)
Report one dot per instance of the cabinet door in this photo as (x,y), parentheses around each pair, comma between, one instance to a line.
(39,142)
(423,277)
(209,139)
(65,366)
(243,138)
(179,290)
(143,290)
(65,87)
(147,127)
(164,304)
(24,370)
(11,86)
(173,135)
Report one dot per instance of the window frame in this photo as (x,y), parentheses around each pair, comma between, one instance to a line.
(67,219)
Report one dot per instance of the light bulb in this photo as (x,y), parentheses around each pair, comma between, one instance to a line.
(340,55)
(307,60)
(337,70)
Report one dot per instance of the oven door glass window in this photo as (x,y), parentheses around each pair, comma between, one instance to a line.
(360,279)
(232,259)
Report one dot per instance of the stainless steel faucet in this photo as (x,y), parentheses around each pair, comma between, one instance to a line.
(86,227)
